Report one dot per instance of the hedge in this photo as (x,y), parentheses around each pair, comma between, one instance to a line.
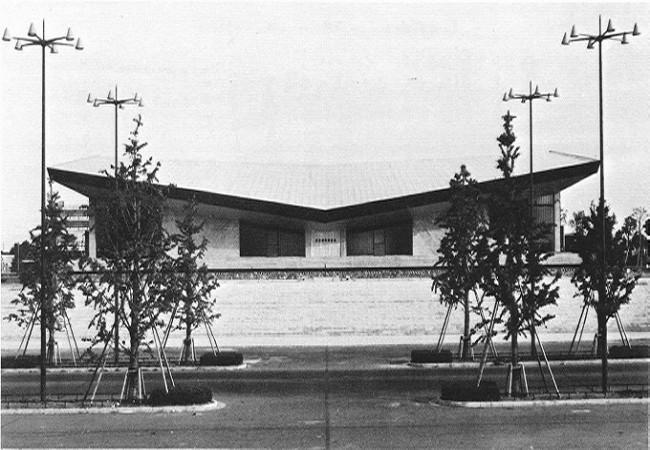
(431,356)
(636,351)
(227,358)
(180,395)
(466,392)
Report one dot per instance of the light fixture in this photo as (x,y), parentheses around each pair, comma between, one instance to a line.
(18,46)
(536,90)
(573,31)
(69,36)
(110,95)
(510,94)
(53,49)
(79,45)
(140,104)
(6,36)
(565,41)
(610,27)
(96,103)
(505,97)
(32,31)
(635,31)
(555,94)
(624,40)
(90,99)
(590,44)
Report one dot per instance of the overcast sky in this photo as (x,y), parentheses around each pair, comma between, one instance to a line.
(322,83)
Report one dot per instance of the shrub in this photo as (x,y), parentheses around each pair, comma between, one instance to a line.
(431,356)
(636,351)
(229,358)
(464,392)
(180,395)
(21,362)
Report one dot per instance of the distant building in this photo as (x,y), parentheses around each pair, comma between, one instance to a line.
(379,215)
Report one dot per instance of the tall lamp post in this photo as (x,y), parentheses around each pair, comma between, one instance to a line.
(33,39)
(117,104)
(591,39)
(529,98)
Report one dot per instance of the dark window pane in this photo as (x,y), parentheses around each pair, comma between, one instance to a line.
(360,243)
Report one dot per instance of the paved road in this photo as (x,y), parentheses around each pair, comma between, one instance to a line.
(344,400)
(386,420)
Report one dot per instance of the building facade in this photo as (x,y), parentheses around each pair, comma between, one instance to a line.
(347,217)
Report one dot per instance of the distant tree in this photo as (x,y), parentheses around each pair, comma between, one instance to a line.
(509,253)
(640,214)
(464,222)
(135,258)
(619,281)
(20,252)
(59,283)
(192,283)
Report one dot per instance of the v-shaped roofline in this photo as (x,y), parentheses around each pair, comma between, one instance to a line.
(552,180)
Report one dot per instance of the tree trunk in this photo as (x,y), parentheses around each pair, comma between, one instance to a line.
(602,349)
(51,359)
(134,389)
(466,337)
(187,344)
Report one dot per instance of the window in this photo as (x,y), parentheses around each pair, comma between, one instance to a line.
(395,239)
(264,240)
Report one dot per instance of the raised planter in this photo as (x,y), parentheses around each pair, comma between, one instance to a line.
(226,358)
(431,356)
(468,392)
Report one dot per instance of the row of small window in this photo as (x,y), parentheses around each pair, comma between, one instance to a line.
(262,240)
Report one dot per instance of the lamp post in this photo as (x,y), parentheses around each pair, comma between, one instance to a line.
(529,98)
(33,39)
(591,39)
(117,104)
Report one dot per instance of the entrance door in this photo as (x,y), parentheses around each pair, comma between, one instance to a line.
(326,243)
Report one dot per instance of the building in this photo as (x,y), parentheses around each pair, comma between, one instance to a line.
(356,216)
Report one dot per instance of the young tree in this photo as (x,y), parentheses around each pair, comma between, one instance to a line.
(510,252)
(59,283)
(135,260)
(619,281)
(464,224)
(192,283)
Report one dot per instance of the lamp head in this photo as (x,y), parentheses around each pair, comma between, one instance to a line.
(110,95)
(79,45)
(635,31)
(555,94)
(89,99)
(96,103)
(18,46)
(7,36)
(136,98)
(505,96)
(573,31)
(32,31)
(121,106)
(624,40)
(565,40)
(610,27)
(140,104)
(510,94)
(590,45)
(536,90)
(53,49)
(548,98)
(69,36)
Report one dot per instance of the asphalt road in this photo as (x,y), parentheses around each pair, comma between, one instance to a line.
(386,420)
(335,403)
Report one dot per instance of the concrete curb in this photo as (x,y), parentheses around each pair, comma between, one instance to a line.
(122,369)
(535,403)
(213,406)
(568,362)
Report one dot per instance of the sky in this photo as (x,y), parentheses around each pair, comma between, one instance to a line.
(322,83)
